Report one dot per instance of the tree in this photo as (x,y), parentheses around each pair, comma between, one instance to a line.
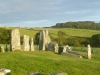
(95,40)
(36,39)
(61,37)
(5,36)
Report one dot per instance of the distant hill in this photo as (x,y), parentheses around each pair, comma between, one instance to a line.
(79,25)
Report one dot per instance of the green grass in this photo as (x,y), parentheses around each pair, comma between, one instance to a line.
(75,32)
(28,32)
(46,62)
(54,31)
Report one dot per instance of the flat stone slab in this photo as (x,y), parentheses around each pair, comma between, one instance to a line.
(72,54)
(37,73)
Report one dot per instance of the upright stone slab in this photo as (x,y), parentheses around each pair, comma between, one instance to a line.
(53,46)
(2,49)
(15,40)
(64,49)
(89,52)
(31,44)
(41,40)
(47,39)
(56,47)
(44,40)
(67,48)
(26,46)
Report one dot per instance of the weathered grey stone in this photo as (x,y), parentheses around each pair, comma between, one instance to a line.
(15,40)
(56,47)
(53,46)
(72,54)
(47,39)
(44,40)
(4,71)
(41,40)
(34,73)
(37,73)
(31,44)
(67,48)
(2,49)
(64,49)
(89,52)
(26,46)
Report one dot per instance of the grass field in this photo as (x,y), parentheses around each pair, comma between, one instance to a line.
(46,62)
(54,31)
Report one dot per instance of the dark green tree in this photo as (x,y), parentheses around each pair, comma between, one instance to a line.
(95,40)
(36,39)
(5,36)
(61,37)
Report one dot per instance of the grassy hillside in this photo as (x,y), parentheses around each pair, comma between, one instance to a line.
(75,32)
(46,62)
(54,31)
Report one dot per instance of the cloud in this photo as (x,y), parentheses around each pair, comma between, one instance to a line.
(36,22)
(77,12)
(46,12)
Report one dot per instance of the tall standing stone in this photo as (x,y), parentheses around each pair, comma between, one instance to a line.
(41,40)
(26,46)
(31,44)
(89,52)
(47,39)
(15,40)
(44,40)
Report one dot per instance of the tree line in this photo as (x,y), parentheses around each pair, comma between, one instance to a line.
(5,36)
(79,25)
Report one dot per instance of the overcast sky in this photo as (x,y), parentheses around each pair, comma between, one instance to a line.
(45,13)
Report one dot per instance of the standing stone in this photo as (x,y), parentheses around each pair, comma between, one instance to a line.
(56,47)
(53,46)
(15,40)
(67,48)
(44,40)
(26,46)
(2,49)
(89,52)
(47,39)
(31,44)
(64,49)
(41,40)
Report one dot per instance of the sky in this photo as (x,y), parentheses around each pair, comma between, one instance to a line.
(46,13)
